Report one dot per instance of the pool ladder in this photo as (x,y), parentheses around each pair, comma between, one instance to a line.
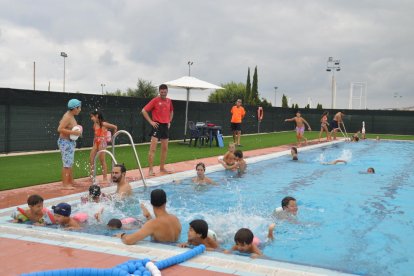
(112,155)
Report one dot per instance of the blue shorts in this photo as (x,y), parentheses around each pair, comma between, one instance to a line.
(67,149)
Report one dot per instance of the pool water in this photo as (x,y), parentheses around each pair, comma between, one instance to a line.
(348,220)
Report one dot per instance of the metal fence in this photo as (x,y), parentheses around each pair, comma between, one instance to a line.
(29,119)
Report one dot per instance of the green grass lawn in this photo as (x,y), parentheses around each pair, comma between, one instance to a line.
(34,169)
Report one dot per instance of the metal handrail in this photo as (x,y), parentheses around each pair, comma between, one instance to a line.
(96,157)
(133,147)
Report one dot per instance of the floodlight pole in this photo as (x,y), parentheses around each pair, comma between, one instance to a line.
(275,95)
(332,66)
(64,55)
(102,86)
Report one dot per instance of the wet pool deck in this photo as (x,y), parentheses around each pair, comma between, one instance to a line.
(23,254)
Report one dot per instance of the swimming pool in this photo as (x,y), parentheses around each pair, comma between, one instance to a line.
(347,220)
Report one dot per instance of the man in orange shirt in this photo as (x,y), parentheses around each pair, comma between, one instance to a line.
(237,115)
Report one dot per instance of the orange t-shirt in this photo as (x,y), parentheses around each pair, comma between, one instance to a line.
(237,114)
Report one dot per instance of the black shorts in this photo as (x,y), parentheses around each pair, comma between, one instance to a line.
(334,124)
(235,126)
(161,133)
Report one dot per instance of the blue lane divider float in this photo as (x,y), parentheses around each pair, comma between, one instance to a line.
(132,267)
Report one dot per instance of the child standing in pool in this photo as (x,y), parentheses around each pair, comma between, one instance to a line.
(101,129)
(201,177)
(300,127)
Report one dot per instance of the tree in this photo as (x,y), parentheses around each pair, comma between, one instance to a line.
(319,106)
(248,88)
(231,92)
(146,89)
(307,106)
(293,106)
(265,103)
(254,100)
(284,101)
(296,106)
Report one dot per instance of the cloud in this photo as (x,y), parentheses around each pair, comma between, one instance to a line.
(117,42)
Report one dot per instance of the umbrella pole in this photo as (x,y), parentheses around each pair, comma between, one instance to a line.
(186,114)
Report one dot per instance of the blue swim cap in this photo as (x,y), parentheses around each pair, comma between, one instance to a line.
(62,209)
(74,103)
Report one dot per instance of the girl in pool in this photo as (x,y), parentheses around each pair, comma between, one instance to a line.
(101,129)
(201,177)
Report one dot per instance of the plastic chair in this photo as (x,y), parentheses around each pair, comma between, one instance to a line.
(197,134)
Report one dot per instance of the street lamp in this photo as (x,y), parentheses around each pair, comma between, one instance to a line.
(189,67)
(332,66)
(64,55)
(275,95)
(102,86)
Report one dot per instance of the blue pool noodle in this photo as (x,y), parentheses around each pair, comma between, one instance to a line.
(134,267)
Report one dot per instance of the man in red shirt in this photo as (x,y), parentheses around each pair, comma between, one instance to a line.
(237,115)
(162,114)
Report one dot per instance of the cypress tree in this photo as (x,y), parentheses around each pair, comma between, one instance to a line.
(248,88)
(255,93)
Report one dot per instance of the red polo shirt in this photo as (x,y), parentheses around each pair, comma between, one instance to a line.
(160,109)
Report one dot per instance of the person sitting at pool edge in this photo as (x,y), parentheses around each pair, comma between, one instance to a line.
(294,153)
(123,189)
(36,214)
(62,213)
(164,227)
(245,241)
(201,177)
(228,159)
(288,209)
(198,234)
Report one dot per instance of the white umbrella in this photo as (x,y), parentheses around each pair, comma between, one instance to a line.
(188,83)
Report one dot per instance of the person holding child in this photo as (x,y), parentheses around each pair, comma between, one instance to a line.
(100,140)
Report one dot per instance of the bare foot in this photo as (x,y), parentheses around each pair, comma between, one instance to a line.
(151,173)
(68,187)
(166,171)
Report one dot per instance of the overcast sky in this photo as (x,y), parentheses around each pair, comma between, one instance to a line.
(116,42)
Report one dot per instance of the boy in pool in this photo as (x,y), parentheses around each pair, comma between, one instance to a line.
(288,210)
(337,161)
(198,234)
(300,127)
(36,214)
(228,159)
(246,243)
(240,163)
(62,213)
(294,153)
(95,195)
